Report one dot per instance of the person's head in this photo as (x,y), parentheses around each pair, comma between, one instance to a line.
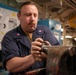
(28,16)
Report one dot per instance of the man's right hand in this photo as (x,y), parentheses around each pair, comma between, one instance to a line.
(36,49)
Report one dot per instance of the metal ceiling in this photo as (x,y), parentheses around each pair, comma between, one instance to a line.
(57,9)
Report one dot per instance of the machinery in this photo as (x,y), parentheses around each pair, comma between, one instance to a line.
(61,60)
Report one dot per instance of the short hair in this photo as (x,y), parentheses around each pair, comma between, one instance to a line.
(25,3)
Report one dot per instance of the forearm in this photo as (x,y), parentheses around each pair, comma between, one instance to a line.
(18,64)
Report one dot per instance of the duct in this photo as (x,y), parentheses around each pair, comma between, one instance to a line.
(71,3)
(72,21)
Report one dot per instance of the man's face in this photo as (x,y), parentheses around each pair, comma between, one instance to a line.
(28,18)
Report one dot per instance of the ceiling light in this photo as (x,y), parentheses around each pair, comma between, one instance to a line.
(75,39)
(61,29)
(68,36)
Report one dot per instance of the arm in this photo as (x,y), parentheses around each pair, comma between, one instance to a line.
(11,58)
(18,64)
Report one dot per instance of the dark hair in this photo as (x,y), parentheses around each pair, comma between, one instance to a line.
(25,3)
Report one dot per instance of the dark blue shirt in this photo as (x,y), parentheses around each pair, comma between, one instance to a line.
(16,44)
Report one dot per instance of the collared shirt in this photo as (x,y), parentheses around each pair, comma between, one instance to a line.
(16,44)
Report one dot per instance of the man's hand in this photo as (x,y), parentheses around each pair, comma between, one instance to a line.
(38,55)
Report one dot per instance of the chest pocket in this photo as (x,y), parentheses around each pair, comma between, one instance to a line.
(39,34)
(23,49)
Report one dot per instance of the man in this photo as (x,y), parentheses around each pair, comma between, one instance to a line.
(21,46)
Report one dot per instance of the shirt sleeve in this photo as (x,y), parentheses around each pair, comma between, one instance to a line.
(49,36)
(9,49)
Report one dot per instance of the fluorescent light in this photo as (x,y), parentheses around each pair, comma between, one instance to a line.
(61,29)
(61,38)
(68,36)
(75,39)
